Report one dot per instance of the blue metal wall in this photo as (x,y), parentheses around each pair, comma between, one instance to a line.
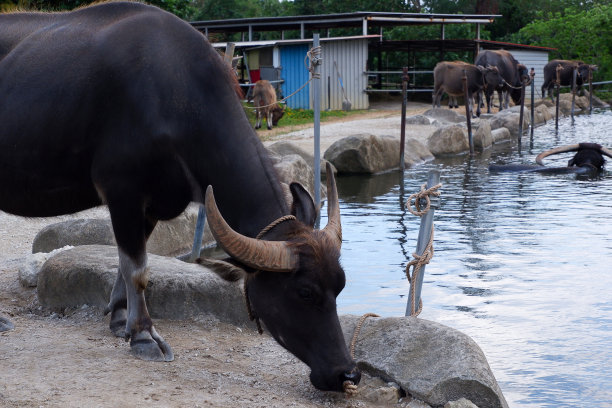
(295,75)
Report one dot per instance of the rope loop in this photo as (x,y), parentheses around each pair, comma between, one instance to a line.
(422,195)
(349,387)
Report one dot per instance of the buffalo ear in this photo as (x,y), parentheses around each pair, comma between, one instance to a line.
(303,206)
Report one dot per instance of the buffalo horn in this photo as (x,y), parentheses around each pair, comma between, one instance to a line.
(606,151)
(556,150)
(273,256)
(333,229)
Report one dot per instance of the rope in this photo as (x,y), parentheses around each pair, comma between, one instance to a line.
(313,56)
(349,387)
(423,194)
(253,316)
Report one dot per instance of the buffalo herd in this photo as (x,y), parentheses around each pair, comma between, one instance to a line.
(498,70)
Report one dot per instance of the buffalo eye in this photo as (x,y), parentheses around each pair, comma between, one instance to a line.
(306,293)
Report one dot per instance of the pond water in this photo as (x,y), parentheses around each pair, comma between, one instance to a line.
(522,264)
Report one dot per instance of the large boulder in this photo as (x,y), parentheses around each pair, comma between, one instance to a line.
(500,135)
(482,135)
(449,140)
(510,119)
(429,361)
(415,152)
(285,148)
(364,153)
(169,238)
(446,115)
(176,289)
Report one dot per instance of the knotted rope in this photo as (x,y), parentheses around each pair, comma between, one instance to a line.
(313,55)
(349,387)
(420,260)
(251,314)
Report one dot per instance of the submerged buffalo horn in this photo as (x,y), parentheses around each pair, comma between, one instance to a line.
(605,151)
(556,150)
(333,229)
(273,256)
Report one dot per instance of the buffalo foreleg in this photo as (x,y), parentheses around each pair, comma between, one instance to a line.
(258,116)
(269,114)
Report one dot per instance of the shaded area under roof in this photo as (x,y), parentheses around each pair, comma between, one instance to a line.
(452,45)
(340,20)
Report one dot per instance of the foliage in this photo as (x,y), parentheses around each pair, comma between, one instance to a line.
(576,34)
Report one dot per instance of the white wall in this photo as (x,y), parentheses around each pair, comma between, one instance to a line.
(536,60)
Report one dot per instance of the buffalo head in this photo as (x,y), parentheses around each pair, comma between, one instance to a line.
(277,114)
(294,277)
(588,155)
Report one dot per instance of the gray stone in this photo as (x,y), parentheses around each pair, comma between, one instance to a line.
(170,238)
(415,152)
(29,269)
(418,120)
(284,148)
(293,168)
(448,140)
(500,135)
(431,362)
(510,120)
(176,289)
(460,403)
(364,153)
(445,115)
(482,136)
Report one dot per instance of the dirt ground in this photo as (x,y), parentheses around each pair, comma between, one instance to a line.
(70,358)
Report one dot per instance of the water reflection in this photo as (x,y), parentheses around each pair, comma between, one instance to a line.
(521,263)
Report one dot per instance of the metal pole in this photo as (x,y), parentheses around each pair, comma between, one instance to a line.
(558,85)
(316,94)
(521,114)
(403,121)
(229,53)
(532,75)
(590,90)
(573,92)
(433,178)
(199,233)
(468,114)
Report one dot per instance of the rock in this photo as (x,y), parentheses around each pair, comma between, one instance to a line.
(284,148)
(460,403)
(448,140)
(418,120)
(364,153)
(541,114)
(429,361)
(501,134)
(293,168)
(416,152)
(170,238)
(597,103)
(377,391)
(29,269)
(176,289)
(482,136)
(510,120)
(445,115)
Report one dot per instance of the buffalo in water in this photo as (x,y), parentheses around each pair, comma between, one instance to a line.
(448,77)
(513,73)
(589,158)
(124,104)
(566,75)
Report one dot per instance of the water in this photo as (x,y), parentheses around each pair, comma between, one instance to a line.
(522,262)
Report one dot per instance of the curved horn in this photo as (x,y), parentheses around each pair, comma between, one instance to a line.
(605,151)
(273,256)
(333,228)
(556,150)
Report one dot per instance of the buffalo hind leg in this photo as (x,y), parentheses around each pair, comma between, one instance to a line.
(269,116)
(129,314)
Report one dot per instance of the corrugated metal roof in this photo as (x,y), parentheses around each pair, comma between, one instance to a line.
(271,43)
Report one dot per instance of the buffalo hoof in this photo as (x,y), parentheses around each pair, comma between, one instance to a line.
(118,321)
(5,325)
(151,347)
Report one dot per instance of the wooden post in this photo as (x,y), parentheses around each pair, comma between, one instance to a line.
(558,86)
(468,113)
(574,73)
(433,178)
(532,75)
(229,53)
(316,94)
(405,78)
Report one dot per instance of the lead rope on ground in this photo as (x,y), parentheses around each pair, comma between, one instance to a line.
(349,387)
(420,260)
(313,55)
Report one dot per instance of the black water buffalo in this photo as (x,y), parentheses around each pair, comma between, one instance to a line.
(126,105)
(589,158)
(448,78)
(566,76)
(513,73)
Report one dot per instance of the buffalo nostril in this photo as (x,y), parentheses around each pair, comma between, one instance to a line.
(353,376)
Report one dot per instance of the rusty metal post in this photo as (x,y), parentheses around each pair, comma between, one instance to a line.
(521,114)
(558,86)
(532,75)
(590,90)
(405,78)
(468,113)
(574,73)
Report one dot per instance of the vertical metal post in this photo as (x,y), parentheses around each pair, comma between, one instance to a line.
(521,114)
(532,75)
(316,94)
(590,90)
(468,112)
(574,73)
(403,121)
(199,233)
(229,53)
(433,178)
(558,86)
(328,93)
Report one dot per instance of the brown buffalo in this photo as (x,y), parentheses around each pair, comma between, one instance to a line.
(567,70)
(448,77)
(513,73)
(264,98)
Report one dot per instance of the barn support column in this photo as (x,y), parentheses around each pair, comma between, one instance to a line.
(302,30)
(250,32)
(364,26)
